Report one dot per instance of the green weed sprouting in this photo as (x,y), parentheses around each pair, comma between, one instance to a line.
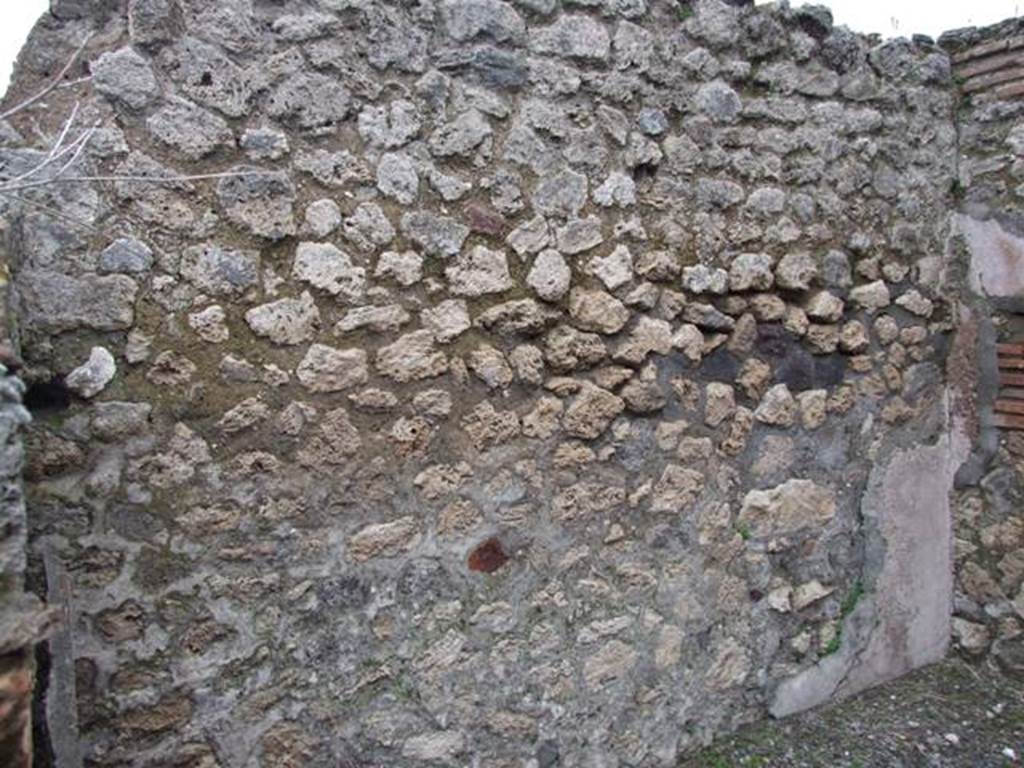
(845,609)
(852,598)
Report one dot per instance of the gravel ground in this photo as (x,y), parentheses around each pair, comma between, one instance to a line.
(949,714)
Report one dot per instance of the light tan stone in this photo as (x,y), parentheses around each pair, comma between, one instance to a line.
(413,356)
(787,509)
(614,660)
(591,412)
(383,539)
(326,369)
(677,489)
(719,403)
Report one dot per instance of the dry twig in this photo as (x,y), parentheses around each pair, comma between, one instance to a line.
(66,152)
(53,84)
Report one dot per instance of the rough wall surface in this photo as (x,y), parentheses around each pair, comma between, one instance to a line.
(525,392)
(989,502)
(23,618)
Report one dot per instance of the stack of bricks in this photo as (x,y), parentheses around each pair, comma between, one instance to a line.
(994,68)
(1009,407)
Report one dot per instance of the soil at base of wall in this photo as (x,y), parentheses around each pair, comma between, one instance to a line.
(949,715)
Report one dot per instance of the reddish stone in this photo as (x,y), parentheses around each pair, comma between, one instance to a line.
(487,557)
(16,677)
(485,220)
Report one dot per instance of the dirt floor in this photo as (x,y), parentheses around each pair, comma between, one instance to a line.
(950,714)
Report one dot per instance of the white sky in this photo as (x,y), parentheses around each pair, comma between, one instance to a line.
(17,17)
(893,18)
(887,17)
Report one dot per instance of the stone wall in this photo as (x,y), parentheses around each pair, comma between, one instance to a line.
(24,620)
(483,383)
(988,238)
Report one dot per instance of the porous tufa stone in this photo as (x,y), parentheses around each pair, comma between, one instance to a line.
(788,509)
(326,369)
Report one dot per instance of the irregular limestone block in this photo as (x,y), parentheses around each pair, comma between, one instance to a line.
(413,356)
(330,269)
(326,369)
(92,377)
(285,321)
(591,412)
(126,77)
(220,271)
(54,302)
(478,272)
(383,539)
(259,201)
(788,509)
